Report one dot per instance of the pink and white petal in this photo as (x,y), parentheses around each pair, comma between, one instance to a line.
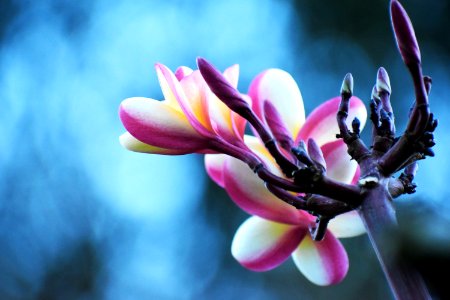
(232,75)
(182,72)
(278,87)
(257,147)
(191,107)
(347,225)
(155,123)
(167,90)
(214,164)
(340,165)
(321,124)
(250,194)
(195,89)
(131,143)
(324,262)
(220,116)
(262,245)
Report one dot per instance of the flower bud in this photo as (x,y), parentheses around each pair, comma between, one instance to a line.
(276,125)
(404,34)
(375,95)
(383,83)
(347,85)
(220,86)
(315,153)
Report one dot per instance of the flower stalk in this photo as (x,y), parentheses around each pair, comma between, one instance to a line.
(379,217)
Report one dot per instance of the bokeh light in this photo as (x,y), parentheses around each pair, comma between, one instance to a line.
(81,218)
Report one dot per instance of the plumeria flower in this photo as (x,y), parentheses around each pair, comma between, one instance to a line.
(190,119)
(277,230)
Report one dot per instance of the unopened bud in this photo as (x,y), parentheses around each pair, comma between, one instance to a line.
(315,153)
(375,95)
(383,83)
(404,34)
(220,86)
(347,85)
(276,125)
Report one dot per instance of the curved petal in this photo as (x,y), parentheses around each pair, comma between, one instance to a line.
(321,124)
(192,105)
(347,225)
(195,89)
(214,167)
(257,146)
(220,116)
(131,143)
(340,165)
(324,262)
(262,245)
(155,123)
(278,87)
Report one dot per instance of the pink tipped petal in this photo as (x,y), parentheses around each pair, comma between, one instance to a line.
(324,262)
(232,75)
(214,167)
(155,123)
(347,225)
(182,72)
(131,143)
(278,87)
(340,166)
(250,194)
(321,124)
(191,105)
(262,245)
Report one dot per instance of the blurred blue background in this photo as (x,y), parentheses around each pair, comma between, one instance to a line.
(81,218)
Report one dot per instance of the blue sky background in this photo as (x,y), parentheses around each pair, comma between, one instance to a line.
(81,218)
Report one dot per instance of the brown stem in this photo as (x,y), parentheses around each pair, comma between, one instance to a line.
(378,215)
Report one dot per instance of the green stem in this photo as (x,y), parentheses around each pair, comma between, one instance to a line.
(378,215)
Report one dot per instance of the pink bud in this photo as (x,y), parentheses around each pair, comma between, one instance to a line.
(404,34)
(220,86)
(276,124)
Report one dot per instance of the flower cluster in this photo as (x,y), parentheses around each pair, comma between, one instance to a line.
(192,119)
